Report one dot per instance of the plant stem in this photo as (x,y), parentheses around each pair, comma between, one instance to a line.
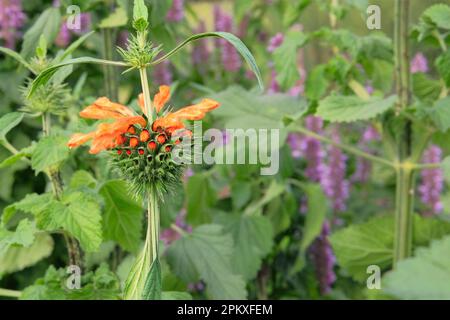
(153,225)
(109,72)
(404,173)
(345,147)
(146,93)
(10,293)
(54,176)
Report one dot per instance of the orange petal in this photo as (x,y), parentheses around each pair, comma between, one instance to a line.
(141,102)
(79,138)
(103,108)
(196,111)
(161,97)
(168,121)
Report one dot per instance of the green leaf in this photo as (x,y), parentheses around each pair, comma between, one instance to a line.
(153,283)
(70,49)
(438,15)
(140,16)
(159,11)
(253,238)
(206,253)
(8,122)
(116,19)
(17,57)
(352,108)
(41,50)
(17,258)
(285,58)
(200,199)
(315,217)
(424,87)
(440,114)
(425,276)
(33,203)
(122,218)
(443,67)
(50,151)
(371,243)
(23,236)
(316,83)
(274,190)
(47,24)
(12,160)
(82,178)
(45,76)
(235,41)
(77,213)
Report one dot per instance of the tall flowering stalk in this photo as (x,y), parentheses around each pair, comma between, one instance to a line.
(432,182)
(12,19)
(323,260)
(200,52)
(176,12)
(333,180)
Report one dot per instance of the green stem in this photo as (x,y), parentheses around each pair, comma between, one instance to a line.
(404,171)
(10,293)
(422,166)
(153,225)
(54,176)
(109,72)
(146,93)
(345,147)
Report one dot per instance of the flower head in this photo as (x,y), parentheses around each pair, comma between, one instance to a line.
(142,149)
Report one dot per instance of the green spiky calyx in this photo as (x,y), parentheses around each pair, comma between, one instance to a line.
(144,159)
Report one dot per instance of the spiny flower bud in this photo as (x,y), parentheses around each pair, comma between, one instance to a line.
(144,136)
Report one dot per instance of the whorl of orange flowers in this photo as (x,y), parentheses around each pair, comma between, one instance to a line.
(110,135)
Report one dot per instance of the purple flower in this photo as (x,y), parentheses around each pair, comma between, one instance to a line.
(162,73)
(169,235)
(85,24)
(333,181)
(230,57)
(312,151)
(200,53)
(323,260)
(63,38)
(176,12)
(274,87)
(294,141)
(12,18)
(419,63)
(364,166)
(275,42)
(432,182)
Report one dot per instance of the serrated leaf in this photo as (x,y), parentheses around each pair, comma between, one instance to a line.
(47,24)
(82,178)
(440,114)
(32,203)
(153,283)
(439,15)
(17,258)
(253,238)
(200,198)
(424,276)
(424,87)
(23,236)
(8,122)
(206,253)
(352,108)
(122,219)
(49,152)
(79,214)
(285,58)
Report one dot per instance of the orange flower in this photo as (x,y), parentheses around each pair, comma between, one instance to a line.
(110,135)
(107,135)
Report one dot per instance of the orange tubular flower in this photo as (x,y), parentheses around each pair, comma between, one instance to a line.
(114,134)
(107,135)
